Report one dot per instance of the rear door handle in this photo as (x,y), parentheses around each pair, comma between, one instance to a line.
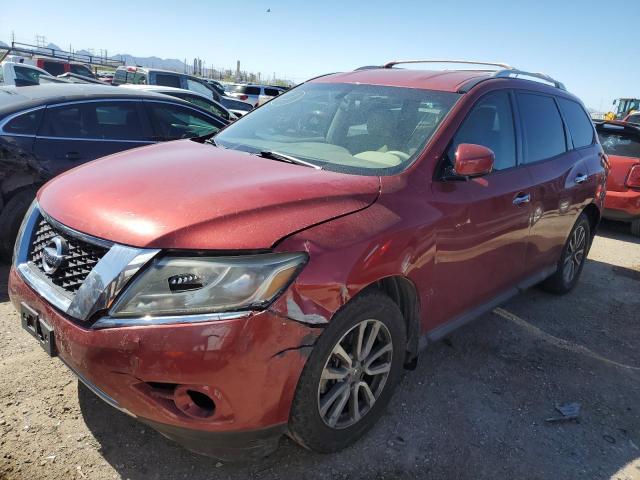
(72,156)
(521,198)
(580,178)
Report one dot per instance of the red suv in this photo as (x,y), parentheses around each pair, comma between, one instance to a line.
(277,278)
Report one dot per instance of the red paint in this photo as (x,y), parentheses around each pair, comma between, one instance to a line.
(195,196)
(458,243)
(473,160)
(623,198)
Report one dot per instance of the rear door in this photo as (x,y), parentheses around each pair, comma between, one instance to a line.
(561,178)
(483,232)
(78,132)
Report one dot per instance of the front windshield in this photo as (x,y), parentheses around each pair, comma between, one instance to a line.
(362,129)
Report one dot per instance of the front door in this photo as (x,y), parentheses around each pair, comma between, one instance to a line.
(482,236)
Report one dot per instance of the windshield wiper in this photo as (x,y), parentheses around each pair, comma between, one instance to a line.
(281,157)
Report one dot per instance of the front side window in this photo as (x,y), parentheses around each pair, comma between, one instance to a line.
(173,122)
(25,124)
(620,143)
(81,70)
(362,129)
(542,127)
(490,123)
(198,87)
(207,105)
(115,121)
(578,122)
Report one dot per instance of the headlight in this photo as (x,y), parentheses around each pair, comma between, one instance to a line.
(193,285)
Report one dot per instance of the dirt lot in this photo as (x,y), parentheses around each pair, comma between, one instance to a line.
(476,407)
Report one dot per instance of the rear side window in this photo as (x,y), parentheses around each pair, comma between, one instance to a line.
(168,80)
(26,76)
(25,124)
(54,68)
(252,90)
(94,120)
(490,123)
(172,122)
(272,92)
(579,124)
(542,127)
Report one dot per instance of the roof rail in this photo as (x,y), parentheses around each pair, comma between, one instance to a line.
(513,72)
(465,62)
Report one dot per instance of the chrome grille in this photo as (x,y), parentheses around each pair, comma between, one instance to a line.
(78,263)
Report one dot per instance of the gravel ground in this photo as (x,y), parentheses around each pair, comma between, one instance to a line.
(476,406)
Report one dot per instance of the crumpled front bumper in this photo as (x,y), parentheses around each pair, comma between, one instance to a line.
(248,366)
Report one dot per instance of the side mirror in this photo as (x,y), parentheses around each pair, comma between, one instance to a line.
(473,160)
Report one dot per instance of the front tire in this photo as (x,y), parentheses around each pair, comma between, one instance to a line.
(350,375)
(574,255)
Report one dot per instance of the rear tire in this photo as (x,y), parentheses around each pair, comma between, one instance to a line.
(574,255)
(334,378)
(635,228)
(11,218)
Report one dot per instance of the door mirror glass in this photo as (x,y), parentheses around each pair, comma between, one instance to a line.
(473,160)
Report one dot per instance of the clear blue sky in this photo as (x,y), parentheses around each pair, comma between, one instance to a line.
(581,42)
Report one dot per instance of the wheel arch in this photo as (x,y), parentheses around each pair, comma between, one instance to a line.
(594,215)
(404,293)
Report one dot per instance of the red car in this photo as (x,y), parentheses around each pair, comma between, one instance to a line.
(278,278)
(621,143)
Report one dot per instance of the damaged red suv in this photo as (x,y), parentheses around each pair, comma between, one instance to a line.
(277,278)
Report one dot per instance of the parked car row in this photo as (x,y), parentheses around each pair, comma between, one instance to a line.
(48,129)
(278,278)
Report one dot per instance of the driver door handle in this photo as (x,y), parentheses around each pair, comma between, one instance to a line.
(580,178)
(521,198)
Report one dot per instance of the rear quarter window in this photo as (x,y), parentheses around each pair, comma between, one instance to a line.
(542,127)
(25,124)
(168,80)
(578,122)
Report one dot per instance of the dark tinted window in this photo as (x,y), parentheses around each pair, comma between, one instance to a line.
(81,70)
(203,103)
(54,68)
(103,120)
(116,121)
(168,80)
(542,127)
(578,122)
(490,123)
(25,124)
(26,76)
(635,119)
(252,90)
(620,144)
(272,92)
(172,122)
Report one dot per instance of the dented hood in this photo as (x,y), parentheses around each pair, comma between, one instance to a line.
(195,196)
